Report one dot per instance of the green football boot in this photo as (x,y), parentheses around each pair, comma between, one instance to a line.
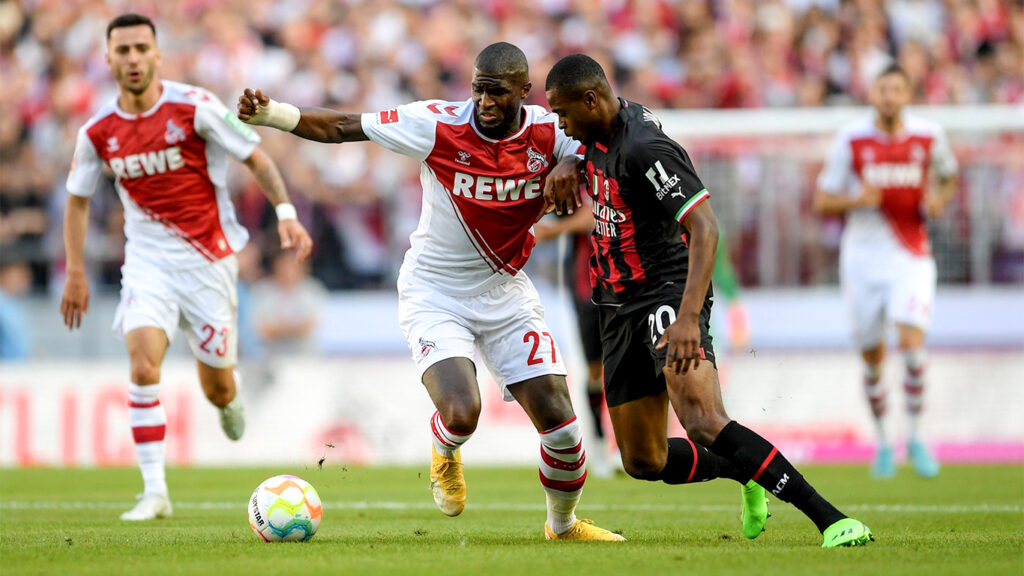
(847,532)
(755,509)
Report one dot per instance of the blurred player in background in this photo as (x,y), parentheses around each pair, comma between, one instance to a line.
(654,296)
(484,164)
(167,145)
(877,175)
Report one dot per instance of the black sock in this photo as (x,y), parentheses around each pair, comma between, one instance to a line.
(763,463)
(691,462)
(596,403)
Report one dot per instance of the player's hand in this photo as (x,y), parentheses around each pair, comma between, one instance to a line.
(682,338)
(870,197)
(934,205)
(75,301)
(562,187)
(293,235)
(250,103)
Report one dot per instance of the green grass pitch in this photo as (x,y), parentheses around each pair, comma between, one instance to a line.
(970,520)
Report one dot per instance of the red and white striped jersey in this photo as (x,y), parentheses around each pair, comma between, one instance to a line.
(480,196)
(171,165)
(897,165)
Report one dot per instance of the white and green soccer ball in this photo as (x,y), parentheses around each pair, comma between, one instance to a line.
(285,509)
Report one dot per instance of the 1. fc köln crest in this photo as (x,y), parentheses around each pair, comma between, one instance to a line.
(536,160)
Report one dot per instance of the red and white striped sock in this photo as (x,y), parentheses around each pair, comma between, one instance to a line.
(149,425)
(446,442)
(913,389)
(562,472)
(876,392)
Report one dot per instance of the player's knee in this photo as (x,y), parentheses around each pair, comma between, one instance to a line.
(646,466)
(145,372)
(461,417)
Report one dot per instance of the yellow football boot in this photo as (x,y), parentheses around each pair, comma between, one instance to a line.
(584,530)
(447,483)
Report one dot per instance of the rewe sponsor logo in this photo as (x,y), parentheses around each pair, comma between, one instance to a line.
(499,189)
(147,163)
(893,174)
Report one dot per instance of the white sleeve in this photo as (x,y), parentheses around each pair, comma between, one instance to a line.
(835,174)
(409,130)
(86,167)
(943,161)
(215,123)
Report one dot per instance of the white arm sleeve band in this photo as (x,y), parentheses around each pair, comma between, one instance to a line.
(280,115)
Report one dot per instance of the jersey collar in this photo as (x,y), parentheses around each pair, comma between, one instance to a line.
(147,113)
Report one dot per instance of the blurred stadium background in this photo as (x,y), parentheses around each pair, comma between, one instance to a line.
(754,90)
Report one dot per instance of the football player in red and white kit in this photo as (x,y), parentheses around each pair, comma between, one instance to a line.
(484,165)
(877,175)
(168,145)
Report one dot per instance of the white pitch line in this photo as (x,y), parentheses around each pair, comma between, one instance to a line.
(510,507)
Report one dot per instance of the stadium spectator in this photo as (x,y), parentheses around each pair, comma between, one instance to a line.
(364,55)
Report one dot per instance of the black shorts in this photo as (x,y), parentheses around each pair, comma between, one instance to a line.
(632,367)
(590,329)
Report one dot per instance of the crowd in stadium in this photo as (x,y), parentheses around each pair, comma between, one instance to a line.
(359,202)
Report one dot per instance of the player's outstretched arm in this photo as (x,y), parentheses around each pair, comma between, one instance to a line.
(293,234)
(318,124)
(682,337)
(827,204)
(75,300)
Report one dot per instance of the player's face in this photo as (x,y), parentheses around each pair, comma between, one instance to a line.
(133,57)
(574,116)
(889,94)
(497,100)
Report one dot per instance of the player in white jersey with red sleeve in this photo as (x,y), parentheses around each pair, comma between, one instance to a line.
(167,145)
(484,165)
(877,175)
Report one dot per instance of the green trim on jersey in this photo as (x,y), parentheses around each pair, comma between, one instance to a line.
(691,203)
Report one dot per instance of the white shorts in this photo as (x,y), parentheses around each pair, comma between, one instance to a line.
(505,323)
(203,301)
(898,287)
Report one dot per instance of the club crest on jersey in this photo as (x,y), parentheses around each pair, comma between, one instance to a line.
(112,145)
(462,157)
(536,160)
(174,133)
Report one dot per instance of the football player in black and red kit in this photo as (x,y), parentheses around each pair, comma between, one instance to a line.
(654,241)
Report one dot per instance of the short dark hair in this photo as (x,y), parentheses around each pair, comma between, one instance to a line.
(575,74)
(127,20)
(503,58)
(895,69)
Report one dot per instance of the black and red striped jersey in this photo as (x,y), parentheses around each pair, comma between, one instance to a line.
(643,185)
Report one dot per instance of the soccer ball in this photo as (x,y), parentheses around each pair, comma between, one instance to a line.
(285,509)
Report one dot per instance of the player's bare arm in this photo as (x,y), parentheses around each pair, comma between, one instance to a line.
(562,187)
(937,199)
(682,337)
(293,234)
(317,124)
(827,204)
(580,222)
(75,300)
